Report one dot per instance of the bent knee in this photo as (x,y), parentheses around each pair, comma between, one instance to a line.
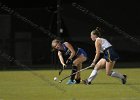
(75,64)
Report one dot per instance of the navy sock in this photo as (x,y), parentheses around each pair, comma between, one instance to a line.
(74,70)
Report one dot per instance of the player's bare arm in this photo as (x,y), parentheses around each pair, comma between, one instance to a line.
(69,46)
(61,58)
(97,46)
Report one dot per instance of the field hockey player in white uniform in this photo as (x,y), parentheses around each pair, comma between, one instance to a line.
(108,61)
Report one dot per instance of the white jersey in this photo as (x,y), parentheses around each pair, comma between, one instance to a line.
(104,44)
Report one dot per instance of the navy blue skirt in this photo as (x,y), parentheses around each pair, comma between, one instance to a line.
(110,55)
(81,51)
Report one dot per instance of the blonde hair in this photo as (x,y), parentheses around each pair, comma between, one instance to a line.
(53,42)
(97,31)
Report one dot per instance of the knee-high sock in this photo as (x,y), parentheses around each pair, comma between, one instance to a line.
(92,75)
(74,70)
(117,75)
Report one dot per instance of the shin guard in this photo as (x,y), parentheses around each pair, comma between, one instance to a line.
(74,70)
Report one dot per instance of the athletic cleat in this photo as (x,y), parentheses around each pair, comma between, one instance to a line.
(78,80)
(124,79)
(86,82)
(71,82)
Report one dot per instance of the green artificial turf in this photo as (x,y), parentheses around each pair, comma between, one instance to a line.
(39,85)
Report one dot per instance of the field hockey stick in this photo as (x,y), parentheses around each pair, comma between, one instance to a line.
(60,71)
(75,73)
(62,68)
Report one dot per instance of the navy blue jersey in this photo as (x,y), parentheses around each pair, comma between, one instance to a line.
(67,52)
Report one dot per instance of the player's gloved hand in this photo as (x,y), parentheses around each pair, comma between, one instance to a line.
(64,66)
(69,61)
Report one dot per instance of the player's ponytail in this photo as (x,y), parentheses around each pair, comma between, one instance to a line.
(97,31)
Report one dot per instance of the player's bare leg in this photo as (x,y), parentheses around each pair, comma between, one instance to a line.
(76,66)
(78,75)
(79,62)
(93,74)
(109,72)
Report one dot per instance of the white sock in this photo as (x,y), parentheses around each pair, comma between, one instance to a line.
(117,75)
(92,75)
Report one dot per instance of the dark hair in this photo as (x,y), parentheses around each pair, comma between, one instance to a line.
(97,31)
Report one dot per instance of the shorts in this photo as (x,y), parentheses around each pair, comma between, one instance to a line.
(81,51)
(110,55)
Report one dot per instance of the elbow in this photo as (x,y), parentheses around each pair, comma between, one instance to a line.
(98,54)
(59,54)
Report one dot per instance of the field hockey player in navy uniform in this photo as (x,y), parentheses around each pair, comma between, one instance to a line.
(76,56)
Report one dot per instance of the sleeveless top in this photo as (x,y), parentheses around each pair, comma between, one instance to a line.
(66,51)
(104,44)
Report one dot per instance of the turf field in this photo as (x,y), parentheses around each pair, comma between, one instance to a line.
(39,85)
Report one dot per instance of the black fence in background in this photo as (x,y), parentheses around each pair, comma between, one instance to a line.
(33,48)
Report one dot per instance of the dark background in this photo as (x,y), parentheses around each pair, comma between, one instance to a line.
(31,46)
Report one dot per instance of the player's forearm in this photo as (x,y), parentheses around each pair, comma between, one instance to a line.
(96,57)
(61,60)
(72,55)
